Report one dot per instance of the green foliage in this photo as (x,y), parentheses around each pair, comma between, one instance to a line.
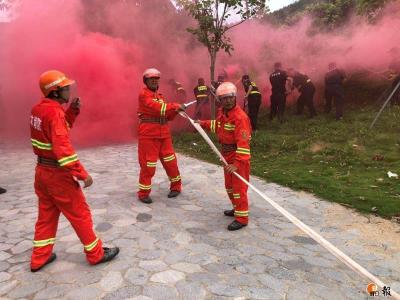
(328,14)
(371,8)
(331,14)
(212,18)
(290,14)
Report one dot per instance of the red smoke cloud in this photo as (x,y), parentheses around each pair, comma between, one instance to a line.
(47,35)
(53,34)
(107,46)
(357,46)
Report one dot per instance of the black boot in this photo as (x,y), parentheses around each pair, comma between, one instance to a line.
(173,194)
(235,225)
(147,200)
(109,254)
(52,258)
(229,213)
(2,191)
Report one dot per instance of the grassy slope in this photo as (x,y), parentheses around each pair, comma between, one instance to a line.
(330,159)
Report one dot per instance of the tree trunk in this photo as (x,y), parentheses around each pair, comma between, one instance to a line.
(212,65)
(213,57)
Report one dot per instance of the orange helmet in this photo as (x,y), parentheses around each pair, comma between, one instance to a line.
(151,73)
(226,89)
(52,80)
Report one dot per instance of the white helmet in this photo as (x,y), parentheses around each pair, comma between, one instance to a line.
(226,89)
(151,73)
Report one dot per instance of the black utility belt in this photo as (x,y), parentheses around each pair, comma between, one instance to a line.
(48,162)
(161,121)
(228,147)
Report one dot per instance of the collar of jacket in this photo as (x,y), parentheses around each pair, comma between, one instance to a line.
(51,102)
(146,90)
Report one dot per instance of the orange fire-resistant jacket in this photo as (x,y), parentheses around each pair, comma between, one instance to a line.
(50,125)
(232,128)
(152,106)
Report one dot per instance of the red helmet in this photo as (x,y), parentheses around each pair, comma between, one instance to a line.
(226,89)
(52,80)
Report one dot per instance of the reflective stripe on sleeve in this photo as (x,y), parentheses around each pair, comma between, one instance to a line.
(243,151)
(212,126)
(163,109)
(67,160)
(41,145)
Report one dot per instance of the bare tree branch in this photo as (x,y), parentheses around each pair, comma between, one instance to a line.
(223,17)
(217,13)
(234,25)
(212,23)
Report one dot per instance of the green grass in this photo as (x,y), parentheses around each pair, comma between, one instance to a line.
(333,160)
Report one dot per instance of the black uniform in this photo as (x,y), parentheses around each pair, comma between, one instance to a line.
(253,103)
(307,91)
(202,94)
(395,75)
(334,89)
(278,97)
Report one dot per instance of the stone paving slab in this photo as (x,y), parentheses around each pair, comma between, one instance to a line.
(180,248)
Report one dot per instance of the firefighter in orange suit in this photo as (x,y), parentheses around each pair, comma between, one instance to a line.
(155,141)
(57,174)
(233,130)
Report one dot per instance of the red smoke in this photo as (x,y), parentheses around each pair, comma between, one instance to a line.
(358,46)
(53,34)
(107,47)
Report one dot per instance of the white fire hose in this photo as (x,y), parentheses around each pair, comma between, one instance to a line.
(306,229)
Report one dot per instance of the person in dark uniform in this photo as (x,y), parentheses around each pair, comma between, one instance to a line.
(214,86)
(334,89)
(220,79)
(394,69)
(278,80)
(202,94)
(253,99)
(307,90)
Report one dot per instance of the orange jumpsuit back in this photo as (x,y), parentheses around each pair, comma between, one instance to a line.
(56,183)
(233,130)
(155,141)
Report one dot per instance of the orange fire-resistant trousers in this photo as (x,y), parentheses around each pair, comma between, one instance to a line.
(59,193)
(149,151)
(237,189)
